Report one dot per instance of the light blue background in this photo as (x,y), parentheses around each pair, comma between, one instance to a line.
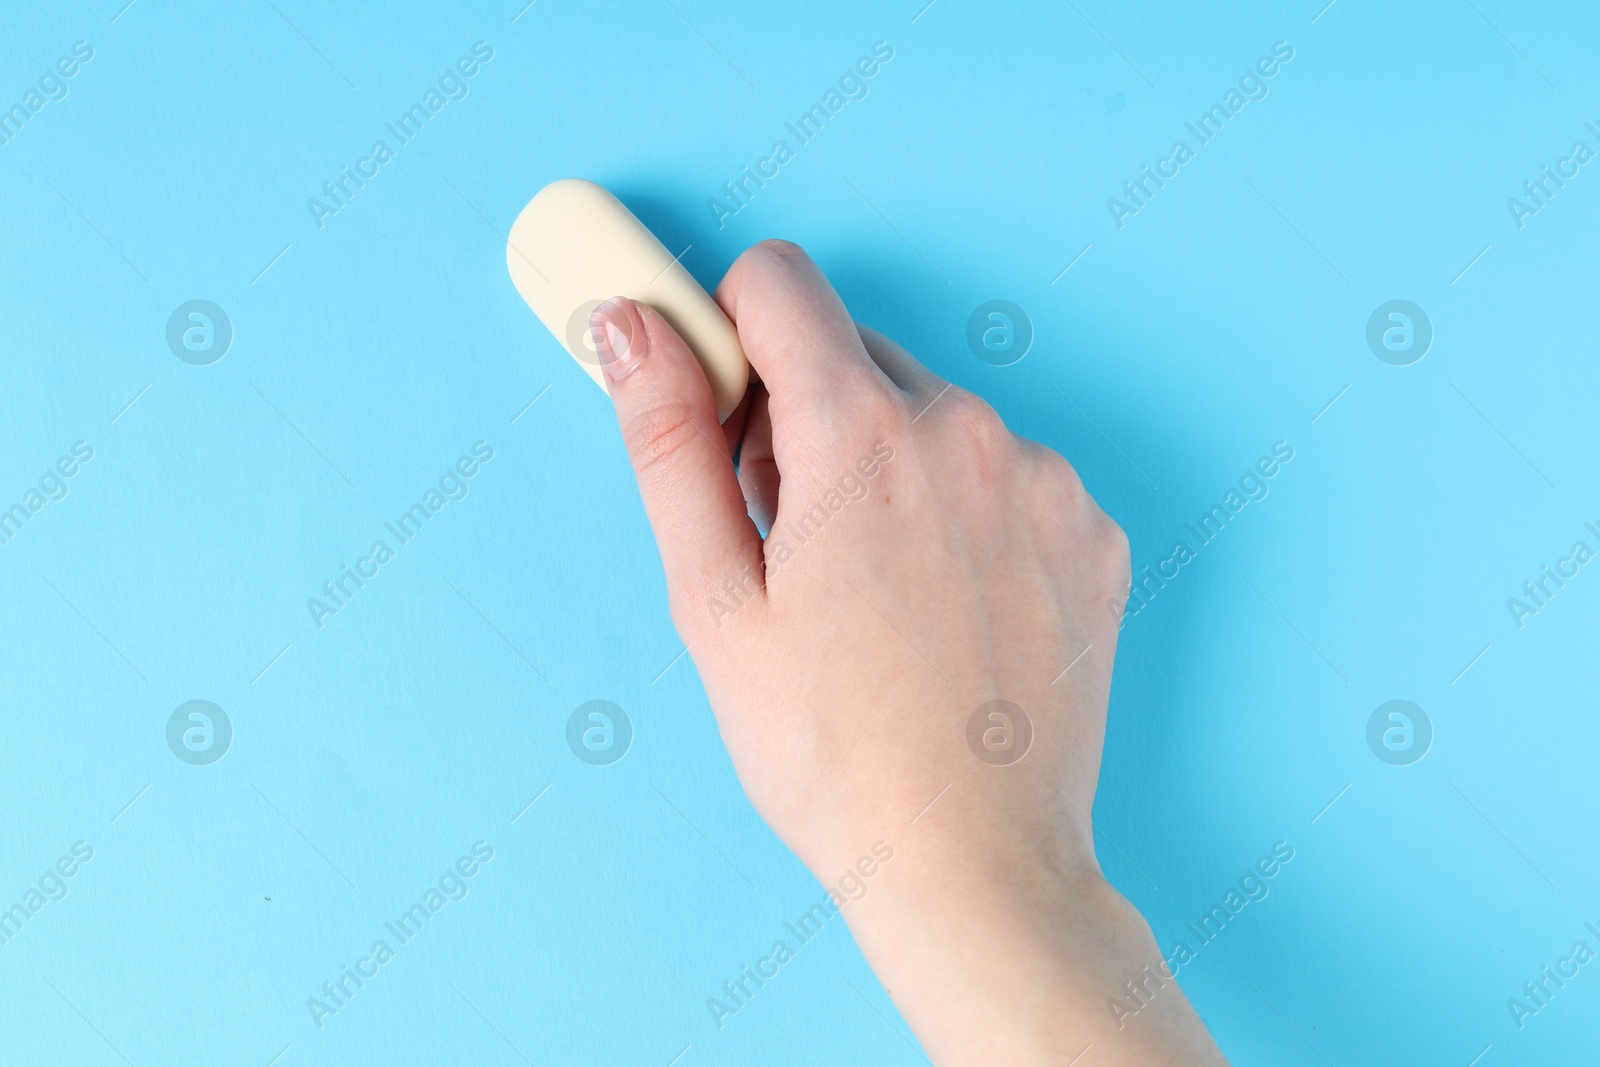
(423,718)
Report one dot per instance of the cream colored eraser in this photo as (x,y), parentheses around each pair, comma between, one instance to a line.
(575,246)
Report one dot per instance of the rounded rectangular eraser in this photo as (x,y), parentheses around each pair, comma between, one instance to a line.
(575,246)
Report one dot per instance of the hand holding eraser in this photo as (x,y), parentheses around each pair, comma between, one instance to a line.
(575,246)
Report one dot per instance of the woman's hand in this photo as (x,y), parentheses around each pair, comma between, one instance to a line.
(917,657)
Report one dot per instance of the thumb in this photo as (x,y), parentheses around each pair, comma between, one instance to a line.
(686,477)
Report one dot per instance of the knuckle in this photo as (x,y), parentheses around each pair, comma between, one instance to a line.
(1073,520)
(867,413)
(656,435)
(762,260)
(978,429)
(877,412)
(777,246)
(1115,549)
(1061,478)
(973,418)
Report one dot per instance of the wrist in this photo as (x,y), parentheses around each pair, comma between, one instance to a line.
(997,956)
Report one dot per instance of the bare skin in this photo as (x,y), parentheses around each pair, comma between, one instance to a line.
(922,561)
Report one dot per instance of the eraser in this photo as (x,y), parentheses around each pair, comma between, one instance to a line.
(575,246)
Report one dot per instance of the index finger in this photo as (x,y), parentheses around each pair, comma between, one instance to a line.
(795,331)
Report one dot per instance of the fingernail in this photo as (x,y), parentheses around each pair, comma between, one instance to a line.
(615,326)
